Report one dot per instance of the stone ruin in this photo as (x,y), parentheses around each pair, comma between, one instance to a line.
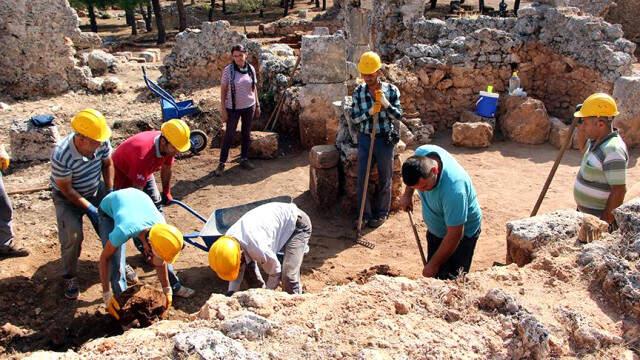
(200,55)
(39,40)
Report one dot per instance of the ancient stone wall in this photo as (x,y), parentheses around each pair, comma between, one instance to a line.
(37,41)
(200,55)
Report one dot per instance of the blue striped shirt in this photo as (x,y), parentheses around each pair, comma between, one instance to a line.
(68,163)
(363,101)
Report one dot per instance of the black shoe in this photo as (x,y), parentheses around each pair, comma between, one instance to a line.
(13,251)
(246,164)
(377,222)
(219,170)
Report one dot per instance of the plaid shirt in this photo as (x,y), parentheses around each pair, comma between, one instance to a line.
(363,101)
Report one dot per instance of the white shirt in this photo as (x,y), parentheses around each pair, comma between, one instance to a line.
(263,232)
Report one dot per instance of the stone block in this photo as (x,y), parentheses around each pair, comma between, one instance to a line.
(318,122)
(525,236)
(324,59)
(112,84)
(141,25)
(324,156)
(558,133)
(264,145)
(471,117)
(626,91)
(324,186)
(321,31)
(358,26)
(30,143)
(473,135)
(525,120)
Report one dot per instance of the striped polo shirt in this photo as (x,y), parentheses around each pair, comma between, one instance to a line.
(603,164)
(67,162)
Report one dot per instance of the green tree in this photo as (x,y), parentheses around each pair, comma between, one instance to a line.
(90,6)
(182,16)
(157,11)
(245,7)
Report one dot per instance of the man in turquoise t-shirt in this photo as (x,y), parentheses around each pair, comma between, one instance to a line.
(127,214)
(449,208)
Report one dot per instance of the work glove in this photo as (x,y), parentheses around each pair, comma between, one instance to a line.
(167,198)
(273,281)
(168,294)
(92,213)
(375,108)
(4,159)
(111,304)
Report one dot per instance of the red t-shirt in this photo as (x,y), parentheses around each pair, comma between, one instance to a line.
(137,158)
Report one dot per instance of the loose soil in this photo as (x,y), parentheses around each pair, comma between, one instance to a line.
(507,177)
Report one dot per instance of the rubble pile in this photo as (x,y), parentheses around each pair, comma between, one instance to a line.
(29,143)
(38,39)
(200,55)
(549,308)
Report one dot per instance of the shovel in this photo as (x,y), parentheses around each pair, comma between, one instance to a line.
(363,202)
(415,233)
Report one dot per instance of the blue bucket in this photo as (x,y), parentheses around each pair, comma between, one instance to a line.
(487,104)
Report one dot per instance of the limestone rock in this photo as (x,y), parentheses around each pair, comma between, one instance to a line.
(406,135)
(471,117)
(95,85)
(323,59)
(247,326)
(627,216)
(112,84)
(324,186)
(30,143)
(86,40)
(525,236)
(591,229)
(558,133)
(497,299)
(264,145)
(525,121)
(321,31)
(210,344)
(585,336)
(218,307)
(324,157)
(626,91)
(100,62)
(473,135)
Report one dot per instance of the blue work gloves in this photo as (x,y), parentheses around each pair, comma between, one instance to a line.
(92,213)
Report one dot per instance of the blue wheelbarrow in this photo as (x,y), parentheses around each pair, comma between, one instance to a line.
(172,109)
(220,221)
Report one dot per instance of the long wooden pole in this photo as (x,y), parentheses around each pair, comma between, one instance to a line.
(365,187)
(415,234)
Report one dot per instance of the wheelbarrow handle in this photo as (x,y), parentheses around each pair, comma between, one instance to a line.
(189,209)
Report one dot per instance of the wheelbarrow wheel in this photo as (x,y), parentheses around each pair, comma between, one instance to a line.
(199,141)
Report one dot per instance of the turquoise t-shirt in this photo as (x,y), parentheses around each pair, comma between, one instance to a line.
(132,211)
(453,200)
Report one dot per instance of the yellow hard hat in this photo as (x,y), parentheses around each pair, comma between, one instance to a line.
(166,241)
(92,124)
(369,63)
(224,258)
(177,133)
(598,104)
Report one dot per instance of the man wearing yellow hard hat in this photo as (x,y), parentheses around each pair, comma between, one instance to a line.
(376,98)
(135,161)
(600,185)
(257,238)
(8,246)
(126,214)
(81,175)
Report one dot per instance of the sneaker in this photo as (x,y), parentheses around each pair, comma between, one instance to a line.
(219,170)
(7,251)
(184,292)
(377,222)
(130,274)
(246,164)
(71,290)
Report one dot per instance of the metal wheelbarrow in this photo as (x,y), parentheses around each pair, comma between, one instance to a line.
(220,221)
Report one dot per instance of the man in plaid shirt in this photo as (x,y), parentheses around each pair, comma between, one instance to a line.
(375,98)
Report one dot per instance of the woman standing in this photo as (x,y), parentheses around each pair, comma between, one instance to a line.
(238,100)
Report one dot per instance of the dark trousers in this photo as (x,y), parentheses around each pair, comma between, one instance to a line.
(6,217)
(294,250)
(232,122)
(383,157)
(459,261)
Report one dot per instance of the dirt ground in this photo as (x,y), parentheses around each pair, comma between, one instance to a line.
(507,177)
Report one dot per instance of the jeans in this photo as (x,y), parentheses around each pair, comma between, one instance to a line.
(459,261)
(294,250)
(6,217)
(383,157)
(232,122)
(117,274)
(69,220)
